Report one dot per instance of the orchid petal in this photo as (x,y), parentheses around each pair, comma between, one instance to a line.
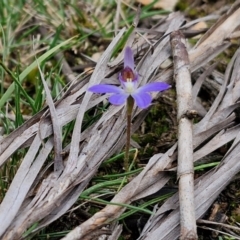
(105,88)
(142,99)
(118,99)
(128,58)
(154,87)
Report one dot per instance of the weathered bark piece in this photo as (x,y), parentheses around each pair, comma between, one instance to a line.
(185,171)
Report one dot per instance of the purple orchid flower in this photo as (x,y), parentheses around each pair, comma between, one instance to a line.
(128,78)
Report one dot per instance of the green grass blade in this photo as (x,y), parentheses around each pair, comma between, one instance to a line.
(39,96)
(99,186)
(111,176)
(17,83)
(119,156)
(149,6)
(142,207)
(122,41)
(118,204)
(207,165)
(34,226)
(42,58)
(18,114)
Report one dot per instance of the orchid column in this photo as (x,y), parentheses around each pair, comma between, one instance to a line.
(129,92)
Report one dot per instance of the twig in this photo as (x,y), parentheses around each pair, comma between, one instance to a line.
(212,229)
(185,145)
(218,224)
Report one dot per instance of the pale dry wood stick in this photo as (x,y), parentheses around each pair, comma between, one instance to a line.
(185,172)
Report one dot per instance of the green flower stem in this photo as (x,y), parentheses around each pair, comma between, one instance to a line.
(130,103)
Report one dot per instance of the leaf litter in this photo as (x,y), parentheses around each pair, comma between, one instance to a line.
(57,193)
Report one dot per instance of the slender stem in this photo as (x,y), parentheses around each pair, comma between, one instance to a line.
(126,158)
(130,103)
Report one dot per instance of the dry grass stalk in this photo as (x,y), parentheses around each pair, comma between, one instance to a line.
(57,131)
(185,171)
